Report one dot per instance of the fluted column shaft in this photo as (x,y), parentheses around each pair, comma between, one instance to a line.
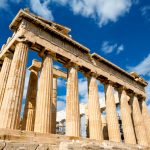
(111,114)
(4,75)
(128,130)
(44,97)
(54,106)
(87,121)
(11,105)
(146,119)
(138,122)
(29,110)
(72,104)
(95,123)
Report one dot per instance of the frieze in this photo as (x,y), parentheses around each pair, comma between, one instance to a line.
(118,75)
(51,37)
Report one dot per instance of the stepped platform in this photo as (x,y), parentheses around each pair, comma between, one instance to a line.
(25,140)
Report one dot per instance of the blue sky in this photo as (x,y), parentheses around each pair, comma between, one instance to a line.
(118,30)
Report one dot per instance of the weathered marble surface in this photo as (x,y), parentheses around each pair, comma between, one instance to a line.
(28,140)
(66,145)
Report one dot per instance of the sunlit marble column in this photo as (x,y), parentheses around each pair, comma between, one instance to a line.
(128,130)
(72,104)
(146,119)
(11,105)
(111,114)
(4,75)
(29,110)
(138,122)
(95,123)
(54,106)
(44,97)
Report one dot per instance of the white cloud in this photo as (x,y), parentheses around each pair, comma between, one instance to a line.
(41,8)
(15,1)
(102,99)
(62,98)
(111,10)
(136,1)
(148,91)
(120,49)
(26,83)
(146,12)
(148,96)
(103,11)
(108,47)
(83,90)
(61,82)
(57,66)
(4,4)
(61,105)
(22,110)
(143,67)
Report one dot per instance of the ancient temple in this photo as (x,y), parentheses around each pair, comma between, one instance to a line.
(38,127)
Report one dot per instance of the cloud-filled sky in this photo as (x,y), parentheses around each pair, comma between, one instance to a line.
(118,30)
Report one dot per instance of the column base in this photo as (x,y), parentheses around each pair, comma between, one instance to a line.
(36,141)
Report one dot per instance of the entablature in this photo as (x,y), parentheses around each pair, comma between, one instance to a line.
(67,50)
(45,25)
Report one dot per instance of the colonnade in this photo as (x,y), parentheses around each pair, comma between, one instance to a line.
(41,101)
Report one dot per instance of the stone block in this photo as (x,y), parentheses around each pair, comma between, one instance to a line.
(20,146)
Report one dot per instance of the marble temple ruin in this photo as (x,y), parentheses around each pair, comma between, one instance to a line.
(52,42)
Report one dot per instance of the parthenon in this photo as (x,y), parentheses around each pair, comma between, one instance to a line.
(51,41)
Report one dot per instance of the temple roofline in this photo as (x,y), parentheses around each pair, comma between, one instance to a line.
(37,20)
(132,75)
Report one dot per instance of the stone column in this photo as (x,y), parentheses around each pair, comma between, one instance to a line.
(54,106)
(128,130)
(72,104)
(146,118)
(111,114)
(12,101)
(4,75)
(29,110)
(44,97)
(95,123)
(87,121)
(138,122)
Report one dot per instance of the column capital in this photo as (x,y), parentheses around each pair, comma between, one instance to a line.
(55,76)
(22,39)
(45,52)
(135,95)
(91,74)
(9,55)
(122,88)
(107,81)
(71,64)
(36,65)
